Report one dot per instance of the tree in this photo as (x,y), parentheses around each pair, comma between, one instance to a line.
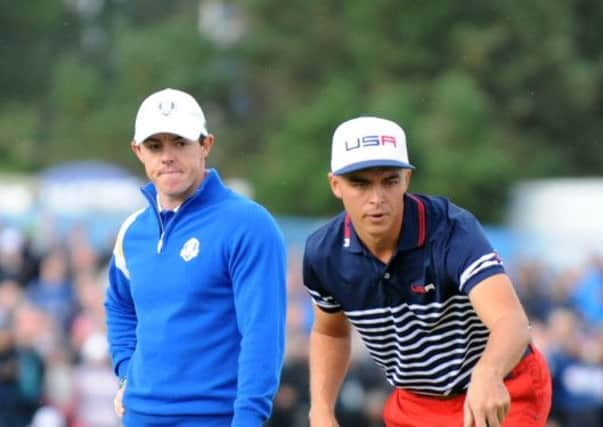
(488,93)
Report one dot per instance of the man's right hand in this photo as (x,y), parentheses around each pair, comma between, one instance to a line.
(117,401)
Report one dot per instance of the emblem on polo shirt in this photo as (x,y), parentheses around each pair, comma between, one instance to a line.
(190,249)
(422,289)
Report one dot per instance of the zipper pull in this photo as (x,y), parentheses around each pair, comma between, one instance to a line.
(160,244)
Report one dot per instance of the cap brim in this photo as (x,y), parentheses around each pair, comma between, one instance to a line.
(372,164)
(173,127)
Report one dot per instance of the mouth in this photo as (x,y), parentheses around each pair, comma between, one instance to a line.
(169,172)
(376,216)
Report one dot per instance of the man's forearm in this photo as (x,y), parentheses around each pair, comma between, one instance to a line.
(506,344)
(329,360)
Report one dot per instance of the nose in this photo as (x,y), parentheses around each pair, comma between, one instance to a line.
(167,154)
(376,194)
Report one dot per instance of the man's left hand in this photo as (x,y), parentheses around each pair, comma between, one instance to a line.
(487,402)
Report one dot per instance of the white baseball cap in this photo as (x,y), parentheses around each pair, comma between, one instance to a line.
(169,111)
(368,142)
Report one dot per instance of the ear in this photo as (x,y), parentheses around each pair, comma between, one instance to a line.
(335,183)
(407,174)
(207,144)
(137,149)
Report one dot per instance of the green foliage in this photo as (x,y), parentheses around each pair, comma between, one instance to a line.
(491,94)
(18,138)
(488,93)
(32,33)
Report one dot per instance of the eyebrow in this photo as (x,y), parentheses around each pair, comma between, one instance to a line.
(361,179)
(153,139)
(393,175)
(356,178)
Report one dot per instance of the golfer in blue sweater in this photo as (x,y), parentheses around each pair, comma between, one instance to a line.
(196,300)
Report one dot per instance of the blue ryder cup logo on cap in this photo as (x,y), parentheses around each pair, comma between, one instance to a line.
(167,107)
(368,142)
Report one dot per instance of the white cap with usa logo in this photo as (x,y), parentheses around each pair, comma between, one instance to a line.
(169,111)
(368,142)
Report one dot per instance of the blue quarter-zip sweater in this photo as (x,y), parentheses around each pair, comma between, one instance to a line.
(196,310)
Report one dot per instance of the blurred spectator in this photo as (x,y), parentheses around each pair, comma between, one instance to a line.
(292,402)
(94,385)
(21,378)
(52,329)
(10,295)
(83,258)
(533,288)
(561,286)
(15,261)
(588,293)
(577,373)
(364,390)
(47,416)
(52,290)
(300,314)
(34,329)
(90,317)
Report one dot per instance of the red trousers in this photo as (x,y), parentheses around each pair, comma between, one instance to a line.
(529,385)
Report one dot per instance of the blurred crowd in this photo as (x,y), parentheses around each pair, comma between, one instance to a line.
(55,369)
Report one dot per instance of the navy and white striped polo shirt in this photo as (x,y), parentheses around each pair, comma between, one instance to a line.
(413,314)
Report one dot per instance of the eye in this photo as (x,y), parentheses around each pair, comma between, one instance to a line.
(359,184)
(153,146)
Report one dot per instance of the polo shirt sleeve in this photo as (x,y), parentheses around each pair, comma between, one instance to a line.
(320,296)
(468,255)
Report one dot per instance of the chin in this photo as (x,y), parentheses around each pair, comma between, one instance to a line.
(171,185)
(382,228)
(170,191)
(383,223)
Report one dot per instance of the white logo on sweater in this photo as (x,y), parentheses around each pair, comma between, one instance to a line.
(190,249)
